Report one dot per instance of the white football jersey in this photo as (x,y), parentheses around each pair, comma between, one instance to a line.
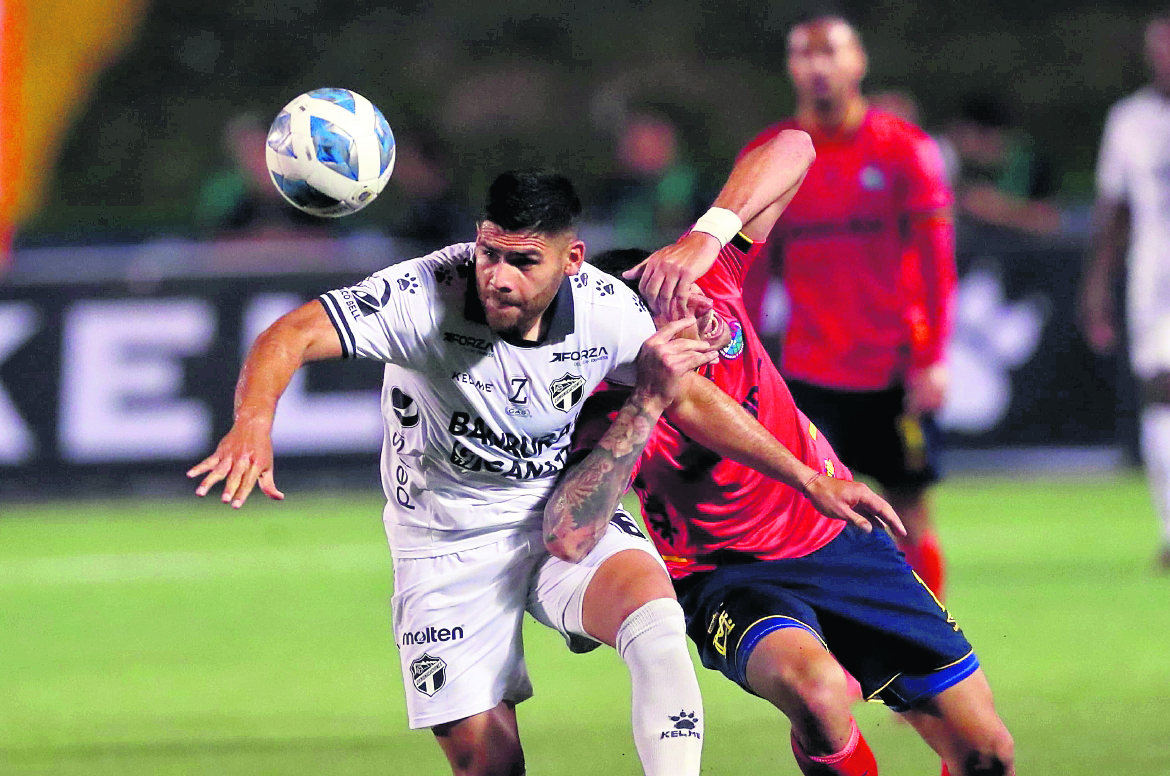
(1134,167)
(477,428)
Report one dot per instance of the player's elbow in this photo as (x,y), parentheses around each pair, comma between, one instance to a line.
(560,547)
(798,144)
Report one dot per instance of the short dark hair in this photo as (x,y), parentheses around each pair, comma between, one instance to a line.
(986,110)
(540,201)
(618,260)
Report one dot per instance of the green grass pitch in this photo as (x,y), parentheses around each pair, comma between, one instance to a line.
(177,638)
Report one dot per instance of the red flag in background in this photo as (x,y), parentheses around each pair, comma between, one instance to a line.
(12,26)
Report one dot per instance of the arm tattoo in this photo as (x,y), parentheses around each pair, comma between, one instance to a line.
(579,510)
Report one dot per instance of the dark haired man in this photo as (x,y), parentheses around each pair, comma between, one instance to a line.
(866,255)
(490,349)
(776,593)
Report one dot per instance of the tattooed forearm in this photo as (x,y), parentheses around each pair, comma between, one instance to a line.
(579,510)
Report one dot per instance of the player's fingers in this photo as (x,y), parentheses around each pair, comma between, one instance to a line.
(234,478)
(215,475)
(206,465)
(671,330)
(649,284)
(267,484)
(858,519)
(668,295)
(881,510)
(635,272)
(246,484)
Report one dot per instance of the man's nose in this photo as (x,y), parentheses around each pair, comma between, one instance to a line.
(499,278)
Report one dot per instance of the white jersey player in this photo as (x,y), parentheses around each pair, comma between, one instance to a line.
(1132,216)
(483,382)
(477,426)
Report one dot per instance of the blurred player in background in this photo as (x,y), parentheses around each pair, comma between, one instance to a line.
(866,255)
(775,591)
(1132,222)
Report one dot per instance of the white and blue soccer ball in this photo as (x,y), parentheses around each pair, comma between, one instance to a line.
(330,152)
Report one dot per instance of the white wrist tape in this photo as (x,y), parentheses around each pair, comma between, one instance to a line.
(720,223)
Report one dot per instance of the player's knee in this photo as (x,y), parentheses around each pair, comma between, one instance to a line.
(812,685)
(993,754)
(488,749)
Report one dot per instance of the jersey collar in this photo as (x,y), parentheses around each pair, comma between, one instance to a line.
(562,312)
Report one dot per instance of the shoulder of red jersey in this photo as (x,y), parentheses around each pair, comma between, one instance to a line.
(917,154)
(887,126)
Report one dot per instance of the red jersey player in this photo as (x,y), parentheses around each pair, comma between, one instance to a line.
(866,255)
(769,585)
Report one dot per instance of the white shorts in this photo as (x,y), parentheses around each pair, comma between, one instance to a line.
(458,618)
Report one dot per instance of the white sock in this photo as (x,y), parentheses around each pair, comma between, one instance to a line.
(1156,451)
(667,707)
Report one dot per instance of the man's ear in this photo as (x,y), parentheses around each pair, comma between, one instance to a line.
(576,253)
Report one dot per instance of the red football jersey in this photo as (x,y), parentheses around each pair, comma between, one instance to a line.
(855,285)
(699,506)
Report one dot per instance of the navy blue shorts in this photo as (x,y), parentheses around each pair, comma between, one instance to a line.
(858,596)
(871,434)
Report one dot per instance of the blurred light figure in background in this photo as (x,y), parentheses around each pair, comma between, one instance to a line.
(866,254)
(240,199)
(1132,228)
(426,208)
(652,195)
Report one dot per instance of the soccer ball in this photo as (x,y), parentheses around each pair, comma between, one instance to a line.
(330,152)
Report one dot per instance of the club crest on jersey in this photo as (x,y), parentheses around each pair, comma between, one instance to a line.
(566,391)
(735,347)
(872,179)
(429,674)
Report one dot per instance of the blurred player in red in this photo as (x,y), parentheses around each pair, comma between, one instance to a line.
(866,255)
(777,569)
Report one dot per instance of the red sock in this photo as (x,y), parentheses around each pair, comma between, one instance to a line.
(855,759)
(946,771)
(926,559)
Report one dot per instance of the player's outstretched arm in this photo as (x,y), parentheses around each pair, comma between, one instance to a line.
(760,186)
(1105,260)
(244,456)
(713,419)
(578,512)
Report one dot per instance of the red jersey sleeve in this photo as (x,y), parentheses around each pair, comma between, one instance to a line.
(926,178)
(932,243)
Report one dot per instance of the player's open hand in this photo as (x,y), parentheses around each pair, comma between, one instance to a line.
(242,460)
(668,274)
(852,501)
(666,358)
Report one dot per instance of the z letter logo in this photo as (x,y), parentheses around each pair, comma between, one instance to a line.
(519,393)
(566,391)
(429,674)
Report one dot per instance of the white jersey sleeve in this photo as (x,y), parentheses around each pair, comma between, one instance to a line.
(1112,158)
(636,327)
(391,315)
